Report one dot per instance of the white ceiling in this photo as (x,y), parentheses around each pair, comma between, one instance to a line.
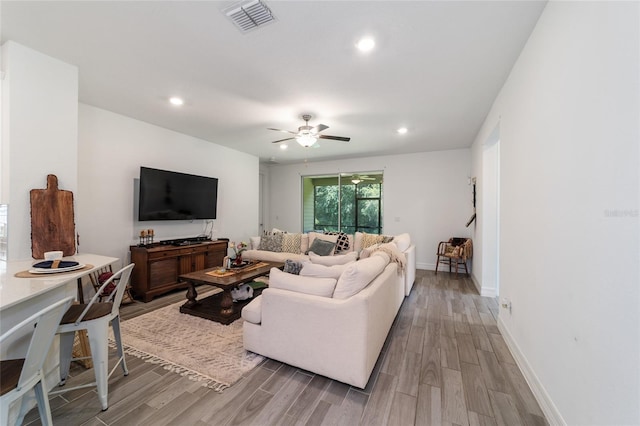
(436,68)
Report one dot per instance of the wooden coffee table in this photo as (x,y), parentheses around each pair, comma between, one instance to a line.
(220,306)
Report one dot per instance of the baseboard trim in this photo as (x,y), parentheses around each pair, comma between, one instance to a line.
(539,392)
(484,292)
(477,284)
(426,266)
(489,292)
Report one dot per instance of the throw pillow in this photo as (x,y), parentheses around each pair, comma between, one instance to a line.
(321,271)
(402,241)
(342,244)
(308,285)
(371,239)
(322,247)
(358,275)
(304,243)
(271,243)
(255,243)
(291,243)
(314,235)
(292,267)
(333,260)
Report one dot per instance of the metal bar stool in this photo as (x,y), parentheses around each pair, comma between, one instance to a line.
(19,376)
(95,317)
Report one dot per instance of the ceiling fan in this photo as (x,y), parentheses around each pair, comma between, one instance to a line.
(356,178)
(308,135)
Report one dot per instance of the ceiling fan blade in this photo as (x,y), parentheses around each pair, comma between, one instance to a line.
(319,128)
(335,138)
(283,131)
(282,140)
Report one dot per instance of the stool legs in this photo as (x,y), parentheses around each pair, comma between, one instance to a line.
(98,332)
(98,337)
(43,403)
(115,324)
(66,349)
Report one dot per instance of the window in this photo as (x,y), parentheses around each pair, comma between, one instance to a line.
(347,202)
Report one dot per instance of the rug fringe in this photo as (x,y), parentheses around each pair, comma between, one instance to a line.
(206,381)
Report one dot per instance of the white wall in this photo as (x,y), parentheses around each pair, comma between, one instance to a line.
(425,194)
(39,134)
(111,150)
(570,192)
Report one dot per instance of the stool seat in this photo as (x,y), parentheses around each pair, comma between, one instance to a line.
(97,310)
(10,370)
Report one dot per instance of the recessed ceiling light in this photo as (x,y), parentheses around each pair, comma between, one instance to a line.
(366,44)
(283,146)
(402,130)
(176,101)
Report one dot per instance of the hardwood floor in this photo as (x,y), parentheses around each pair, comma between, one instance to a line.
(444,363)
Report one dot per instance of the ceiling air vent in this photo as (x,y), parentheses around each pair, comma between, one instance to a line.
(249,15)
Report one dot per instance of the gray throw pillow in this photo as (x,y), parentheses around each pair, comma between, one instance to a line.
(322,247)
(292,267)
(271,243)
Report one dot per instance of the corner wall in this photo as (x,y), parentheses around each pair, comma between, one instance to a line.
(570,234)
(39,135)
(425,194)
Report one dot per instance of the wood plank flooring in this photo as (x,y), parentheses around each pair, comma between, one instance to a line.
(444,363)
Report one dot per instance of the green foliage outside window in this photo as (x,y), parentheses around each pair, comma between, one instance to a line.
(346,207)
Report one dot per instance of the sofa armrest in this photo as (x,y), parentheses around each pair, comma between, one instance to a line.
(409,269)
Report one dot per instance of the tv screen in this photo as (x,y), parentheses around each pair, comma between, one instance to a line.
(166,195)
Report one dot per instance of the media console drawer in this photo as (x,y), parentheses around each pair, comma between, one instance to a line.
(159,266)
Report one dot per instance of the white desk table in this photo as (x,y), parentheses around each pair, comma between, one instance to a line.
(22,297)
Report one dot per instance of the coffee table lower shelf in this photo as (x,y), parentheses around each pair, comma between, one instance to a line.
(210,307)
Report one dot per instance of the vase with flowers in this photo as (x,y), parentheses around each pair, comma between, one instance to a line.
(238,249)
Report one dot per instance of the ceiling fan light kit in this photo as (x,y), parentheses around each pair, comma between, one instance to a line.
(306,140)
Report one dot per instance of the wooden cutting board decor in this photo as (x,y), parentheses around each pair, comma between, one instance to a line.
(52,226)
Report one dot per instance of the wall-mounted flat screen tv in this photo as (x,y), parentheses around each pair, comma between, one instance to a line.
(166,195)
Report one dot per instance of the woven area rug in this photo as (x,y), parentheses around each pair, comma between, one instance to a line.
(202,350)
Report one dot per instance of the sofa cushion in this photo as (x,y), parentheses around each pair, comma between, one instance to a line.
(402,241)
(291,243)
(358,275)
(309,285)
(253,311)
(271,242)
(333,260)
(322,247)
(322,271)
(357,242)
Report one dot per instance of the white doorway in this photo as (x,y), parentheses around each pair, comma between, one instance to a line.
(491,215)
(261,197)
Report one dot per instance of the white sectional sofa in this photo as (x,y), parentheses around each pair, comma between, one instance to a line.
(321,325)
(402,241)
